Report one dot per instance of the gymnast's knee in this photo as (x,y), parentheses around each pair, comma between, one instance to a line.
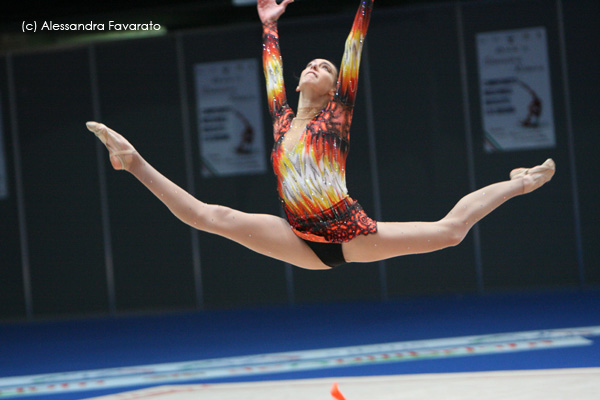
(453,231)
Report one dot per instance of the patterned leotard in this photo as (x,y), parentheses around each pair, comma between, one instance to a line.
(312,177)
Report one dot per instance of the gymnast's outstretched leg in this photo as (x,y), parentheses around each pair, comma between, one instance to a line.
(265,234)
(402,238)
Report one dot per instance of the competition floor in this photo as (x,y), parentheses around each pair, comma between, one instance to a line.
(517,346)
(542,384)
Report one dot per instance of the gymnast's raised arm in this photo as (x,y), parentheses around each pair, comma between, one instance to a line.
(269,12)
(348,77)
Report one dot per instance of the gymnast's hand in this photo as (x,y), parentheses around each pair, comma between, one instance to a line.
(270,11)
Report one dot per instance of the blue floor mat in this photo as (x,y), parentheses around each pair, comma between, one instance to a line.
(98,343)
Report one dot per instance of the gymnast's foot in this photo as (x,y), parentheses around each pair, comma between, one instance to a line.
(120,151)
(534,178)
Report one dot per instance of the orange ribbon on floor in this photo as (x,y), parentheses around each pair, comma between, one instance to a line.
(335,392)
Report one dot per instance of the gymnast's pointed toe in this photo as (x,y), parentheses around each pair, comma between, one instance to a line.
(92,125)
(517,172)
(536,177)
(99,130)
(119,149)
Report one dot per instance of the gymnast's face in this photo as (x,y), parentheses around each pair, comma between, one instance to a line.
(320,75)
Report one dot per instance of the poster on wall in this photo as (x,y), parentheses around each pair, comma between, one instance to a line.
(230,121)
(3,176)
(515,91)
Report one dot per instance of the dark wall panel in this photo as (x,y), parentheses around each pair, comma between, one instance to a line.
(582,39)
(12,295)
(60,182)
(139,97)
(234,276)
(529,242)
(421,149)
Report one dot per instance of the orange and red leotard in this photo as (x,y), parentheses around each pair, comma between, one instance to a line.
(312,177)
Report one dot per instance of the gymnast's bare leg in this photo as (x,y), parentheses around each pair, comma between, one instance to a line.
(402,238)
(265,234)
(272,236)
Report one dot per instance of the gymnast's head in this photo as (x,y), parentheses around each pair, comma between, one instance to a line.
(319,77)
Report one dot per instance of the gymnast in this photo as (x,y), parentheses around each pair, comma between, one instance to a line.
(324,227)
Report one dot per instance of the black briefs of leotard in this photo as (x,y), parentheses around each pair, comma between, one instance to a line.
(330,253)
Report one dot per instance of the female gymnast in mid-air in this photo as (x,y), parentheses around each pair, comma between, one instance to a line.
(324,226)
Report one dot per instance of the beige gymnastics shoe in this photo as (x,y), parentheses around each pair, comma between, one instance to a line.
(534,178)
(119,149)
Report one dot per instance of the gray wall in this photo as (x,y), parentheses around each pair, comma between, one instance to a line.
(79,238)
